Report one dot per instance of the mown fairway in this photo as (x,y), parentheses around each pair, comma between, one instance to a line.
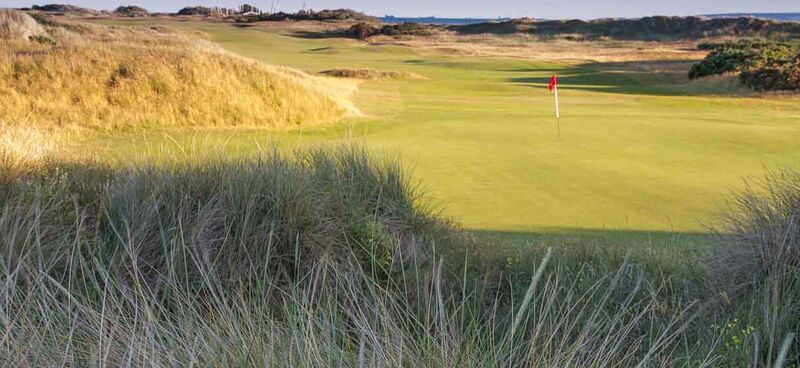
(640,151)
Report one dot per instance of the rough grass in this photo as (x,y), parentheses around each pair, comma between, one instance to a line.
(371,74)
(326,258)
(23,150)
(312,260)
(756,270)
(18,26)
(112,78)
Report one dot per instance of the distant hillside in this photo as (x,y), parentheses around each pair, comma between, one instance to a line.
(435,20)
(774,16)
(649,28)
(64,9)
(312,15)
(74,75)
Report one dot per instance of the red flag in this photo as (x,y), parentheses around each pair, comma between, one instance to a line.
(553,83)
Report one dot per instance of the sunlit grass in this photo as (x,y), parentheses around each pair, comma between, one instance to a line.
(642,149)
(137,78)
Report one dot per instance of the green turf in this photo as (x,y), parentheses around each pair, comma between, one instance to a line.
(640,151)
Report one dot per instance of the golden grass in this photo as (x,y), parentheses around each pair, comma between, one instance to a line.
(111,78)
(23,150)
(18,26)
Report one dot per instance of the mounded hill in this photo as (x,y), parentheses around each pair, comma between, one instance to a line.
(89,76)
(18,26)
(131,11)
(649,28)
(65,9)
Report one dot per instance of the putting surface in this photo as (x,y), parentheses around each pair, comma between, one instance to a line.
(639,150)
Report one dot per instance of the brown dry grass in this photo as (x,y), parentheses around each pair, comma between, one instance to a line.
(112,78)
(532,47)
(24,149)
(18,26)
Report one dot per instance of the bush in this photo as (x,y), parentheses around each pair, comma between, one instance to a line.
(366,30)
(362,30)
(195,10)
(64,9)
(322,16)
(782,77)
(131,11)
(408,29)
(764,65)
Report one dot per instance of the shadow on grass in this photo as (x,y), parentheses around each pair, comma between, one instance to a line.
(659,251)
(316,35)
(625,238)
(651,77)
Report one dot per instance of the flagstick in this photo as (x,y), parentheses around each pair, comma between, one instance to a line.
(558,114)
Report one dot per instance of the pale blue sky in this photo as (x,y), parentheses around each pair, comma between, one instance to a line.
(471,8)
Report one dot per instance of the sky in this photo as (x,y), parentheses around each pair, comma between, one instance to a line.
(550,9)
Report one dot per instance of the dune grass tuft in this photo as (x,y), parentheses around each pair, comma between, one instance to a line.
(319,259)
(326,257)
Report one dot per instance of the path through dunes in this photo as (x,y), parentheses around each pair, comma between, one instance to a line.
(640,150)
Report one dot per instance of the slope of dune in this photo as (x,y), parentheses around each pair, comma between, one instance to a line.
(108,78)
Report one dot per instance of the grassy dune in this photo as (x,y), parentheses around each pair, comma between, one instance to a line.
(122,78)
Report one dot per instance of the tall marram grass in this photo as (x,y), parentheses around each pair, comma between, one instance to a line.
(326,258)
(757,269)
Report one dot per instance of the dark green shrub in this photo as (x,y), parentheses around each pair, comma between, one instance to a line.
(362,30)
(408,29)
(196,10)
(366,30)
(785,77)
(764,65)
(131,11)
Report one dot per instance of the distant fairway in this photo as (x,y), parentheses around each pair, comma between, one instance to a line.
(640,151)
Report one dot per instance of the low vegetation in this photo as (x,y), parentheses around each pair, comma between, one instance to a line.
(196,10)
(648,28)
(310,15)
(364,30)
(64,9)
(327,257)
(131,11)
(644,29)
(371,74)
(108,78)
(763,65)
